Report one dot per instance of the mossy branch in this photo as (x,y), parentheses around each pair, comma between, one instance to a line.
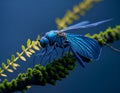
(28,51)
(108,36)
(78,11)
(57,70)
(40,75)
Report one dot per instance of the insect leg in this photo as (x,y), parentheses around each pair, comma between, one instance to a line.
(69,50)
(64,45)
(63,50)
(52,55)
(39,54)
(56,52)
(48,54)
(54,49)
(49,51)
(44,55)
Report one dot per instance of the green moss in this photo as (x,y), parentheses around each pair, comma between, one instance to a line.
(108,36)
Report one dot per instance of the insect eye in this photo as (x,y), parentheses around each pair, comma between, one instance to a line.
(44,42)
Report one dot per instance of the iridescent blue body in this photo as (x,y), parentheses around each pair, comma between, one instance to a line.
(53,37)
(81,46)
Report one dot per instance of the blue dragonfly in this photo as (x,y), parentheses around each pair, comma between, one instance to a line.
(79,45)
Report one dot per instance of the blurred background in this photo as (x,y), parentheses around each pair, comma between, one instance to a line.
(23,19)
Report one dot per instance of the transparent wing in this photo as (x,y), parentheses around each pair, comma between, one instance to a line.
(85,24)
(84,46)
(80,24)
(76,25)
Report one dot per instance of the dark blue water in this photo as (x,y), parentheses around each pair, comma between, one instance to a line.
(23,19)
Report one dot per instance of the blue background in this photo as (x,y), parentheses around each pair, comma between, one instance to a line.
(23,19)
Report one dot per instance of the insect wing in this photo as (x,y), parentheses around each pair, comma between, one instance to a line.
(84,46)
(76,25)
(85,24)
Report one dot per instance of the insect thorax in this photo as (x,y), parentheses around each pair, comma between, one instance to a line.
(61,34)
